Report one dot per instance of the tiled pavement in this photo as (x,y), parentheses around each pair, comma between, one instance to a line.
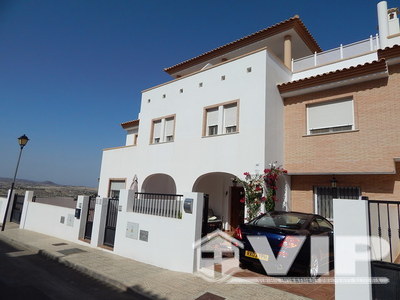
(152,281)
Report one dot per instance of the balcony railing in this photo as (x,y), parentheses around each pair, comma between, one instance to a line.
(163,205)
(336,54)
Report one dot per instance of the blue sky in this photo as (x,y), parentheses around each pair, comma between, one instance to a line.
(72,70)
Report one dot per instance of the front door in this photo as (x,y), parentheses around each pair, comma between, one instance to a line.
(237,207)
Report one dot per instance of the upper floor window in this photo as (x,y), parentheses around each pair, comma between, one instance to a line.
(163,130)
(330,117)
(221,119)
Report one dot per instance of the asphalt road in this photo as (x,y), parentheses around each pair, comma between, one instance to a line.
(25,275)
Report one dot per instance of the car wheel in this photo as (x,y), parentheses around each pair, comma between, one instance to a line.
(243,265)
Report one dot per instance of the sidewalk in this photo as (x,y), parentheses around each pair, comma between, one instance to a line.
(128,274)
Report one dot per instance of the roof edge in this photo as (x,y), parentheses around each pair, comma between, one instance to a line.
(294,22)
(130,124)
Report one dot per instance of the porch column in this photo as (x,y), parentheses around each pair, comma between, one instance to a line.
(25,207)
(83,205)
(99,221)
(287,52)
(352,248)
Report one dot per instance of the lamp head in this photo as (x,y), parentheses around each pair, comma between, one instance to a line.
(23,140)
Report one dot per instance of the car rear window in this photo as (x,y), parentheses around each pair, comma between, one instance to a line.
(290,221)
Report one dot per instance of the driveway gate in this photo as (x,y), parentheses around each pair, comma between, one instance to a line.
(90,218)
(384,222)
(111,222)
(17,208)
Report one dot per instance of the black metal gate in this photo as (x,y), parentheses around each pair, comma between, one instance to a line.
(90,218)
(111,222)
(17,208)
(384,222)
(325,196)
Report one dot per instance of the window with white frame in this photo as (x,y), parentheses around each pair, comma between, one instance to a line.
(115,186)
(221,119)
(163,130)
(329,117)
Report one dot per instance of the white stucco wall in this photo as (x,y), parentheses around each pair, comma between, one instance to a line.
(170,241)
(3,204)
(49,219)
(191,155)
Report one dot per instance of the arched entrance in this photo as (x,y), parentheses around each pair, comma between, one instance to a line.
(159,183)
(222,206)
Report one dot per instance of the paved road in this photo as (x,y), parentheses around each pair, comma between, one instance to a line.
(25,275)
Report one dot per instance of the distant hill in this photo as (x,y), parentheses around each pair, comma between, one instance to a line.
(44,188)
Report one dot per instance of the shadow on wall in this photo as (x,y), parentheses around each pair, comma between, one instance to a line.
(159,183)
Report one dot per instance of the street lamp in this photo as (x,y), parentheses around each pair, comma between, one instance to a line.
(22,141)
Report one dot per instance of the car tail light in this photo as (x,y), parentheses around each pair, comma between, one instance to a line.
(290,242)
(238,234)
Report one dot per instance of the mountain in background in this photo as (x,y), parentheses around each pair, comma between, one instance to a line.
(44,189)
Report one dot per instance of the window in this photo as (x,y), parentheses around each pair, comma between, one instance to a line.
(115,186)
(330,117)
(230,118)
(163,130)
(212,121)
(221,119)
(156,131)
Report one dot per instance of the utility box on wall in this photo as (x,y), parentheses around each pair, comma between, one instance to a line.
(188,206)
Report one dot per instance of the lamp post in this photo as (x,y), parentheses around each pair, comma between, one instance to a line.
(22,141)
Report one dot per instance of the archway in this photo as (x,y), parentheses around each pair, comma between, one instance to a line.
(159,183)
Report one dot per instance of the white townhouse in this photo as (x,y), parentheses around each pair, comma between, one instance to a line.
(220,115)
(223,113)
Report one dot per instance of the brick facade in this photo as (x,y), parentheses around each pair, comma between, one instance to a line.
(366,154)
(370,148)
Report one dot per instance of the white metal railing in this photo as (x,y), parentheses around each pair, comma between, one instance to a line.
(333,55)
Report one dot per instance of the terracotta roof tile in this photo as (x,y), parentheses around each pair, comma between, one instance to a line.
(293,22)
(130,124)
(354,71)
(389,52)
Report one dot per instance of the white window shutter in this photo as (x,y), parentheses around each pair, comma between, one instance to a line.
(157,129)
(230,115)
(331,114)
(117,185)
(212,116)
(169,126)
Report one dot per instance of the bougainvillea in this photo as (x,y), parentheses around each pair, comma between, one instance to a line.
(254,189)
(271,176)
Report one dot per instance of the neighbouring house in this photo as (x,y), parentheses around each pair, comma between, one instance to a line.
(342,122)
(330,117)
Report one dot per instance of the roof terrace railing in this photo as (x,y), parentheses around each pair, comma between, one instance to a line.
(336,54)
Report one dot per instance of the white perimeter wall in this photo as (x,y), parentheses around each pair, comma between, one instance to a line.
(50,219)
(191,155)
(170,242)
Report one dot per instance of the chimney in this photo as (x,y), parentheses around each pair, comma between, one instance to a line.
(388,22)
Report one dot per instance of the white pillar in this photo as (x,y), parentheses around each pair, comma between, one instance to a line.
(25,208)
(351,242)
(383,23)
(99,221)
(287,51)
(83,204)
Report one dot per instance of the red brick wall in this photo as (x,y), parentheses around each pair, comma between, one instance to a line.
(371,148)
(376,187)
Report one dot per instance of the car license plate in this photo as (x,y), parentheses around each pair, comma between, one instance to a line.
(256,255)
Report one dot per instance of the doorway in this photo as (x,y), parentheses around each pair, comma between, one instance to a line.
(237,207)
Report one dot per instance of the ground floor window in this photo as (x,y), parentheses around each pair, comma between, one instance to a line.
(115,186)
(323,198)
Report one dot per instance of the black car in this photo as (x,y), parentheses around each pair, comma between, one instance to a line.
(289,240)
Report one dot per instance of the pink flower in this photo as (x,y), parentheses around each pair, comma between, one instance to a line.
(243,200)
(246,174)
